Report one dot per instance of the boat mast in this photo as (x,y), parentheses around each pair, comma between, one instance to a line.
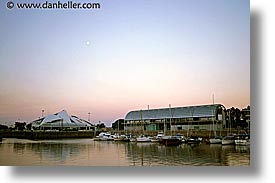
(118,128)
(141,124)
(213,122)
(170,119)
(188,125)
(213,117)
(164,128)
(148,119)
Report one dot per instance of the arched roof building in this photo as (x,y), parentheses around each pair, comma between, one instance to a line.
(199,117)
(176,112)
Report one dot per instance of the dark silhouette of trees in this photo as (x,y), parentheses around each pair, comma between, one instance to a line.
(237,118)
(3,127)
(19,126)
(100,126)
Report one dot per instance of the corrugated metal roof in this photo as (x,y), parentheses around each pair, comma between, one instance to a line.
(176,112)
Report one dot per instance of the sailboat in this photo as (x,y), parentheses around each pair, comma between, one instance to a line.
(229,139)
(242,138)
(142,138)
(170,140)
(122,138)
(192,139)
(216,139)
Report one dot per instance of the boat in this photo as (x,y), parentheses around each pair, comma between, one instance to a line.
(154,139)
(170,140)
(242,139)
(228,140)
(133,139)
(216,140)
(157,137)
(242,142)
(104,137)
(143,138)
(194,140)
(160,134)
(181,137)
(122,138)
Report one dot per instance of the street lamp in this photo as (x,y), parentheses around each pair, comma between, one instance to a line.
(89,118)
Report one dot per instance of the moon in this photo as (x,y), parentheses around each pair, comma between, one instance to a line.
(88,43)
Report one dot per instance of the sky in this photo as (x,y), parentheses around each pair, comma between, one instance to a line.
(122,57)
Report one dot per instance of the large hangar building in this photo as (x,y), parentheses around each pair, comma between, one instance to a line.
(201,117)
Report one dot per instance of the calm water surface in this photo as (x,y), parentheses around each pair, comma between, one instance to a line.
(86,152)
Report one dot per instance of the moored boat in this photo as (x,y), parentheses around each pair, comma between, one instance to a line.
(143,138)
(154,139)
(160,134)
(242,139)
(157,137)
(193,140)
(228,140)
(104,137)
(216,140)
(122,138)
(181,137)
(242,142)
(170,140)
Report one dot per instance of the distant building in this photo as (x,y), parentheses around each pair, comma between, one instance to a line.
(202,117)
(118,124)
(61,121)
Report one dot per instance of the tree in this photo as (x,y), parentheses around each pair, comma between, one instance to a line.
(3,127)
(101,125)
(20,126)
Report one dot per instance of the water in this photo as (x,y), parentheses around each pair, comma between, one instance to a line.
(86,152)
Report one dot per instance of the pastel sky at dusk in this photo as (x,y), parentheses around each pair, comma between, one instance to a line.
(124,56)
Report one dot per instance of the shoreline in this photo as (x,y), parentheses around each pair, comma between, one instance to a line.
(40,135)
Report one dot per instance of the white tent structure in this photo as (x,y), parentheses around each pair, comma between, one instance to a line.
(61,120)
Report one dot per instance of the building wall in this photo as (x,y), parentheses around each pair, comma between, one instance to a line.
(202,124)
(210,127)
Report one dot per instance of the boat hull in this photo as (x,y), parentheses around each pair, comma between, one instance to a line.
(242,142)
(228,140)
(170,141)
(122,140)
(193,140)
(143,139)
(215,141)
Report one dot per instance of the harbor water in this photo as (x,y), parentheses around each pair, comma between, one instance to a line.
(87,152)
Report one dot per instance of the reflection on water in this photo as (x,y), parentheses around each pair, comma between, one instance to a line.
(86,152)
